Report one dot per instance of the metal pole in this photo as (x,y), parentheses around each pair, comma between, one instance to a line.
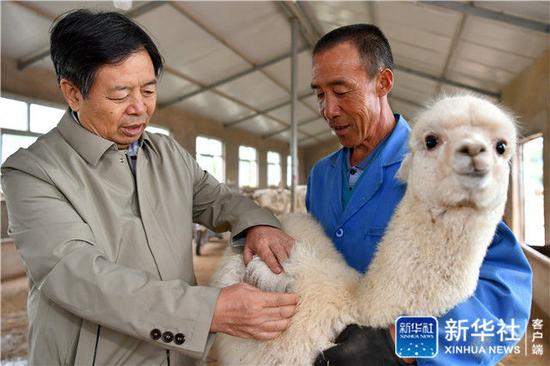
(293,105)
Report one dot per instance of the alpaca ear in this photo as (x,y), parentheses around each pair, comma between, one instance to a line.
(403,172)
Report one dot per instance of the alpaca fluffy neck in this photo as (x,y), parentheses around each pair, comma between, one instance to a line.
(427,262)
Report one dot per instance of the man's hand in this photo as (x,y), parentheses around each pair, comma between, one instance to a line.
(247,312)
(358,345)
(270,244)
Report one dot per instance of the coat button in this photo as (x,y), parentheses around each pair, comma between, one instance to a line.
(339,233)
(167,336)
(179,338)
(155,334)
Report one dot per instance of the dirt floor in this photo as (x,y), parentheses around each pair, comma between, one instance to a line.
(14,315)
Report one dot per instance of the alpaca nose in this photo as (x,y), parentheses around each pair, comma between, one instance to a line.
(472,148)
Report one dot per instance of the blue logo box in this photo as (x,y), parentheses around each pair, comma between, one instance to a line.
(416,336)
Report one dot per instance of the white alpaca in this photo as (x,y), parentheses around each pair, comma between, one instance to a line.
(429,258)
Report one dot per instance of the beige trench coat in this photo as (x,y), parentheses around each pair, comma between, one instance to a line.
(109,256)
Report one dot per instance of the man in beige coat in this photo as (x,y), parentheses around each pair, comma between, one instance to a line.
(102,211)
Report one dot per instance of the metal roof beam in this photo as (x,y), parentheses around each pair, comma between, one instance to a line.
(25,62)
(234,100)
(470,9)
(446,81)
(228,79)
(36,10)
(264,111)
(454,42)
(140,10)
(222,40)
(442,80)
(307,28)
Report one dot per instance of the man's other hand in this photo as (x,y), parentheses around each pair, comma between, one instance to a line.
(247,312)
(359,346)
(272,245)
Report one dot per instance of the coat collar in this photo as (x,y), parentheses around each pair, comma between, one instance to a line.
(394,151)
(88,145)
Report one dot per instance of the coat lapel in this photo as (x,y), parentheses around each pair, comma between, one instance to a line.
(364,191)
(393,152)
(335,185)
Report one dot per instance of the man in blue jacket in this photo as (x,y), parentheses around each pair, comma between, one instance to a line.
(352,77)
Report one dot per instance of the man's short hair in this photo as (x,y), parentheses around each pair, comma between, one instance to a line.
(374,48)
(82,41)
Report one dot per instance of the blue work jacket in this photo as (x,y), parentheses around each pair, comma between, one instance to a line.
(504,287)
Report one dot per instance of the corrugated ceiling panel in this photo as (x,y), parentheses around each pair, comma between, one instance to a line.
(483,72)
(413,96)
(505,37)
(23,32)
(281,72)
(453,90)
(314,128)
(171,86)
(189,49)
(335,13)
(420,59)
(283,113)
(413,87)
(260,125)
(409,43)
(470,79)
(255,89)
(210,105)
(535,10)
(257,29)
(56,8)
(416,36)
(492,57)
(418,16)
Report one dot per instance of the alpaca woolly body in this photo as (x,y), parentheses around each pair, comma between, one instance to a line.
(428,260)
(433,262)
(327,287)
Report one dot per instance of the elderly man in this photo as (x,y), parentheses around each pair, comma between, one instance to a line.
(352,77)
(101,212)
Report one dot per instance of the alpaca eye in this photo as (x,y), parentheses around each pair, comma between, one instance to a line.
(500,147)
(431,141)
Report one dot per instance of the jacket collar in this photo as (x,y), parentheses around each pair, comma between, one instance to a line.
(88,145)
(393,152)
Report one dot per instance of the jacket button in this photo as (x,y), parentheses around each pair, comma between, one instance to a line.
(167,336)
(155,334)
(179,338)
(339,233)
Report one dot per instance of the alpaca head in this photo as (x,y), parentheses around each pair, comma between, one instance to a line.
(460,149)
